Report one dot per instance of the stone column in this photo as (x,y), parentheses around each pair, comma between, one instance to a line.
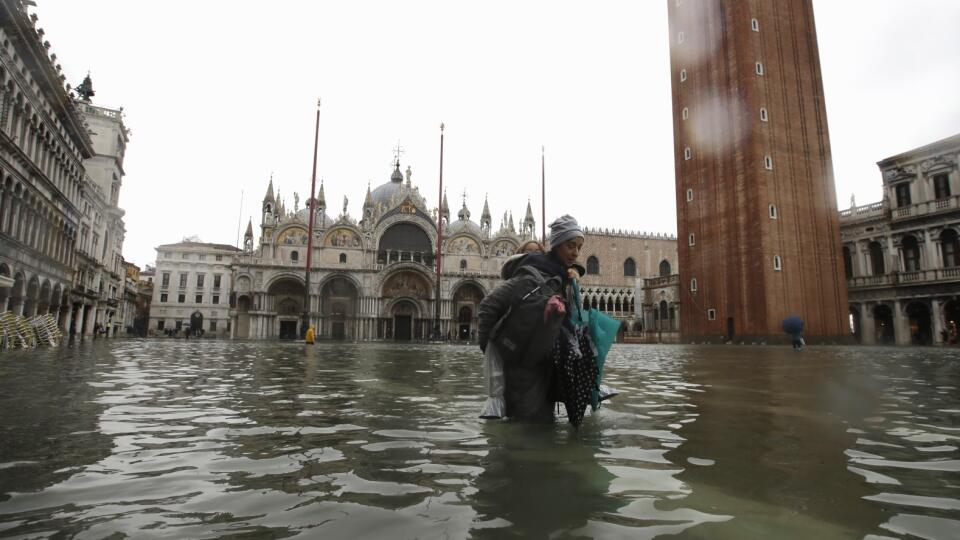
(868,327)
(931,252)
(89,319)
(901,325)
(937,319)
(893,258)
(66,318)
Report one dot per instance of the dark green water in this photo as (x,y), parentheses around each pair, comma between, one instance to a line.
(194,439)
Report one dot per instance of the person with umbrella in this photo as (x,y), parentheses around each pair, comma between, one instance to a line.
(793,325)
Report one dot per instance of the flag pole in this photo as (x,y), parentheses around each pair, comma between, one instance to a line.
(436,304)
(305,322)
(543,197)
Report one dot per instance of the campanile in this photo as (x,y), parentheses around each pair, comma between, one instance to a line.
(758,230)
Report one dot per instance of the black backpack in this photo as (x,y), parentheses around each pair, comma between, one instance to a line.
(522,333)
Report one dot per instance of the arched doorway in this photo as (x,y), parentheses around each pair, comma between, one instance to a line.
(286,299)
(404,314)
(6,282)
(33,293)
(883,324)
(43,300)
(16,294)
(951,316)
(918,314)
(410,289)
(338,300)
(466,301)
(196,324)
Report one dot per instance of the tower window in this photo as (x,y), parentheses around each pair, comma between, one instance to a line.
(777,264)
(689,195)
(773,211)
(755,25)
(680,37)
(691,240)
(343,258)
(693,285)
(683,75)
(768,163)
(763,114)
(686,113)
(687,154)
(711,314)
(759,68)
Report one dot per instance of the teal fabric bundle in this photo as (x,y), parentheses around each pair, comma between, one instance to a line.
(603,332)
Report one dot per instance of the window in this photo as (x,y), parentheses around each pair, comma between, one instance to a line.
(664,268)
(680,37)
(200,280)
(685,113)
(163,297)
(216,281)
(463,264)
(847,263)
(711,314)
(903,194)
(777,264)
(183,281)
(876,258)
(689,195)
(199,299)
(755,25)
(593,265)
(763,114)
(215,299)
(166,279)
(219,257)
(693,285)
(691,240)
(213,326)
(773,211)
(941,186)
(294,256)
(167,255)
(911,254)
(683,75)
(202,256)
(184,255)
(181,298)
(630,267)
(950,246)
(759,67)
(687,154)
(343,258)
(768,163)
(160,324)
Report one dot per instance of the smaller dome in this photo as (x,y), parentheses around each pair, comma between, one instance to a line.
(463,226)
(397,176)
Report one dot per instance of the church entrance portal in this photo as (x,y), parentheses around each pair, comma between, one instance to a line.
(337,330)
(404,313)
(288,329)
(466,315)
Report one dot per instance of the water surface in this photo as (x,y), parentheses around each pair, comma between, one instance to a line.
(206,439)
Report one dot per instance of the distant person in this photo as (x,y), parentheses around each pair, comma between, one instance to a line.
(310,338)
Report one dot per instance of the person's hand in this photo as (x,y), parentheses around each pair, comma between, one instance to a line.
(572,273)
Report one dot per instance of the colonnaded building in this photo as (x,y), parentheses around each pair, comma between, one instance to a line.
(375,277)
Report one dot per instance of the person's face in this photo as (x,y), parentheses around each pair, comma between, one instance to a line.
(569,250)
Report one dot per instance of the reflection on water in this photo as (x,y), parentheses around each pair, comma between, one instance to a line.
(203,439)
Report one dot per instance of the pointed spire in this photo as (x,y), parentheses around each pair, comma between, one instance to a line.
(511,227)
(528,218)
(368,200)
(464,213)
(249,228)
(321,198)
(445,209)
(269,196)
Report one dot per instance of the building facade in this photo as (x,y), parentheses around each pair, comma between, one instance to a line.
(43,145)
(191,289)
(375,278)
(759,236)
(902,254)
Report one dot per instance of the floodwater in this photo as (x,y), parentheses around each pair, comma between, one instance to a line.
(205,439)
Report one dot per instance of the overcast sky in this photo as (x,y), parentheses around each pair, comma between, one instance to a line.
(220,94)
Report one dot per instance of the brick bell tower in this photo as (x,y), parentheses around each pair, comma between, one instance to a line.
(758,229)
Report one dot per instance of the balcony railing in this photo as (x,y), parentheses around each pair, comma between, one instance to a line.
(934,275)
(927,208)
(661,281)
(861,212)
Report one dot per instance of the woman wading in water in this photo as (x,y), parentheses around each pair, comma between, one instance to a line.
(525,379)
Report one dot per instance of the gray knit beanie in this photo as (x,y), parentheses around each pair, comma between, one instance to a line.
(564,228)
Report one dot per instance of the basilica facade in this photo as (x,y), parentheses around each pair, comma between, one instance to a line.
(374,277)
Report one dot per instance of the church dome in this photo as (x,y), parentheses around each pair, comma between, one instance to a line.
(464,225)
(395,191)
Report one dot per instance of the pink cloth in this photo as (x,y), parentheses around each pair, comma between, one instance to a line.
(554,307)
